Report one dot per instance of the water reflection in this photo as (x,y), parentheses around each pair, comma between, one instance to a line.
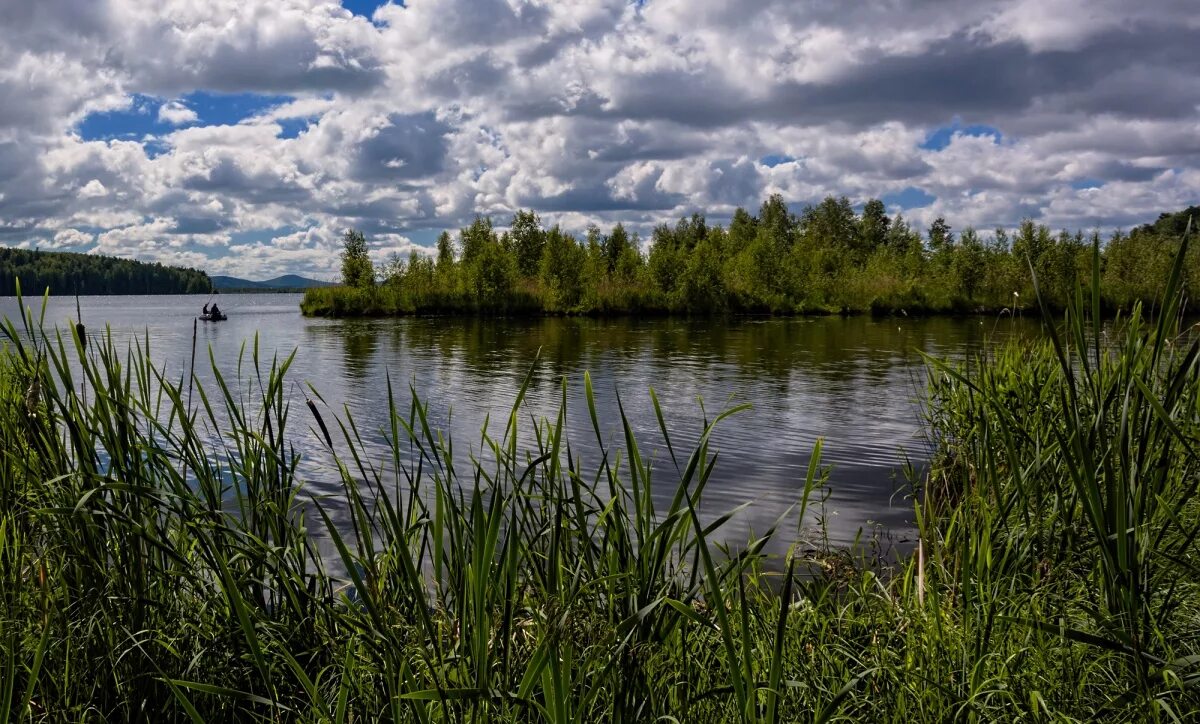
(850,381)
(360,341)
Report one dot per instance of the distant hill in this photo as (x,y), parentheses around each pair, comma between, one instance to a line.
(287,282)
(66,273)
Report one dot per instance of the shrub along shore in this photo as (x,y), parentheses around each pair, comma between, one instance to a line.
(153,569)
(829,259)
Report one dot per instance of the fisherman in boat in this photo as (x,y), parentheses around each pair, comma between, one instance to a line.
(213,312)
(205,313)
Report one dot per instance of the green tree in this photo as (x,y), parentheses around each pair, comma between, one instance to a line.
(666,259)
(742,229)
(829,258)
(595,269)
(900,238)
(1031,242)
(70,273)
(445,251)
(873,229)
(630,263)
(701,286)
(940,237)
(527,239)
(615,245)
(474,238)
(969,263)
(777,222)
(827,248)
(493,275)
(690,231)
(832,224)
(562,268)
(357,270)
(394,269)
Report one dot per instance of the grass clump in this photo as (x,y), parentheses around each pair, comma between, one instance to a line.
(153,567)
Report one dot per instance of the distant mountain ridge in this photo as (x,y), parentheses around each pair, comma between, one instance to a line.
(287,281)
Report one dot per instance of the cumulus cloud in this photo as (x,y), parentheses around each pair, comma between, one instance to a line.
(589,111)
(70,238)
(176,113)
(92,189)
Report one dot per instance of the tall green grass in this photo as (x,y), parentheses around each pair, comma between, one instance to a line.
(157,567)
(159,554)
(1072,466)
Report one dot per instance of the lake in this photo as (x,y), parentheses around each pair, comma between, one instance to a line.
(855,382)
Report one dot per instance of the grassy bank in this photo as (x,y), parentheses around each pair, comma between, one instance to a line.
(145,574)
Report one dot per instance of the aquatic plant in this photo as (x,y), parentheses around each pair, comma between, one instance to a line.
(163,560)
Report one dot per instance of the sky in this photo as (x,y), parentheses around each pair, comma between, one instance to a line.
(244,137)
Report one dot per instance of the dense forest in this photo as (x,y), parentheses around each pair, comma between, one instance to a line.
(66,273)
(827,259)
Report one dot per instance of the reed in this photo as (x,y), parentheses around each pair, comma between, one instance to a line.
(159,560)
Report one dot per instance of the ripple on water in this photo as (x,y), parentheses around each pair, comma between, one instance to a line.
(851,382)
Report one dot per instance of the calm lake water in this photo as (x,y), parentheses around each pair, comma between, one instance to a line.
(855,382)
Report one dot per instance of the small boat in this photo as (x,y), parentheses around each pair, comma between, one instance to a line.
(218,317)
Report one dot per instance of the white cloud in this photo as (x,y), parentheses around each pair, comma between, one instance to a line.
(176,113)
(93,189)
(587,110)
(71,238)
(1050,25)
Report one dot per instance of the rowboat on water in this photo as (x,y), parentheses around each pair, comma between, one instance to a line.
(218,317)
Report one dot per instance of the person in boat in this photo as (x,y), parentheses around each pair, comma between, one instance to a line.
(205,313)
(214,312)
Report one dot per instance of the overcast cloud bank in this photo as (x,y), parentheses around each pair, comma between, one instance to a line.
(242,136)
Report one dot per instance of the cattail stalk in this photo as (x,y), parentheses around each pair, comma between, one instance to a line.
(187,421)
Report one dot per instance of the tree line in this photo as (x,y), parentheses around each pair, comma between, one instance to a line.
(829,258)
(66,273)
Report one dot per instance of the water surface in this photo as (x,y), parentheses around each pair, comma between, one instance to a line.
(853,382)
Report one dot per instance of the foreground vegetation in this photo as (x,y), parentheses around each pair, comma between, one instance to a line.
(66,273)
(150,568)
(828,259)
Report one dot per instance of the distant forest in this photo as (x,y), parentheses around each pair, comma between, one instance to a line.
(67,273)
(827,259)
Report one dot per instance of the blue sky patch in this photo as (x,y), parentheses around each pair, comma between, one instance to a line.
(1086,183)
(292,127)
(131,124)
(940,137)
(909,198)
(366,8)
(226,109)
(774,159)
(428,237)
(155,147)
(141,119)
